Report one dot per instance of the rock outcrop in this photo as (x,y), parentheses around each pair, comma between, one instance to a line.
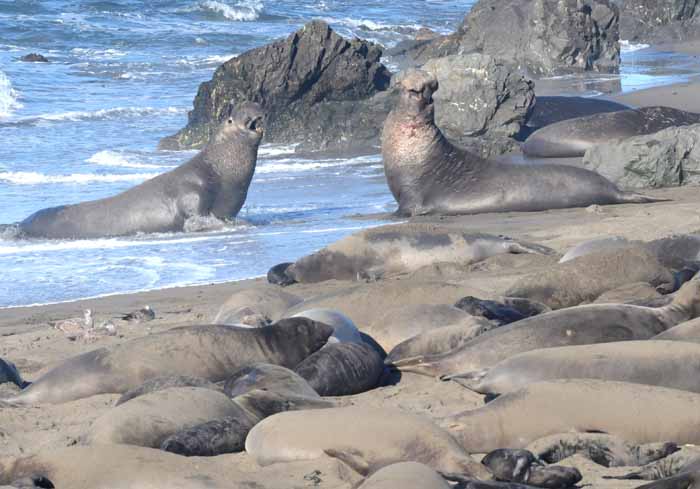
(540,36)
(659,20)
(670,157)
(316,87)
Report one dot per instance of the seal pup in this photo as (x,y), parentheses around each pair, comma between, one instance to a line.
(673,364)
(521,466)
(365,439)
(406,475)
(209,352)
(165,382)
(603,449)
(213,183)
(582,325)
(394,249)
(635,412)
(9,373)
(342,369)
(573,137)
(429,175)
(687,331)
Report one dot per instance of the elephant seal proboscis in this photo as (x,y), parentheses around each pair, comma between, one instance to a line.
(603,449)
(635,412)
(160,383)
(406,475)
(395,249)
(342,369)
(255,306)
(365,439)
(9,373)
(210,352)
(214,183)
(673,364)
(344,330)
(521,466)
(573,137)
(429,175)
(587,277)
(688,331)
(582,325)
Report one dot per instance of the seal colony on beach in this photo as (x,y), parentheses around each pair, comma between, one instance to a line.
(429,175)
(214,183)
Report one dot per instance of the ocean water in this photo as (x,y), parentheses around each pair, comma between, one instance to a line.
(123,74)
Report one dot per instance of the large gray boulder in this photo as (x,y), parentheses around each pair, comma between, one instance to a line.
(659,20)
(541,36)
(670,157)
(479,94)
(315,85)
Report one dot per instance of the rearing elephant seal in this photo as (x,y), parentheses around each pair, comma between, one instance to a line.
(212,184)
(429,175)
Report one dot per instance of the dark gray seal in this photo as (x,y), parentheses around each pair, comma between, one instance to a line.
(521,466)
(429,175)
(264,376)
(9,373)
(160,383)
(214,183)
(342,369)
(573,137)
(210,352)
(503,312)
(550,110)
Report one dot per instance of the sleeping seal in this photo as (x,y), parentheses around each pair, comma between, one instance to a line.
(687,331)
(209,352)
(635,412)
(214,183)
(429,175)
(394,249)
(583,325)
(573,137)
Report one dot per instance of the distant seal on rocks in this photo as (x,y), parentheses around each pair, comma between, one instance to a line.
(365,439)
(342,369)
(429,175)
(209,352)
(214,183)
(583,325)
(573,137)
(688,331)
(401,248)
(160,383)
(634,412)
(9,373)
(672,364)
(406,475)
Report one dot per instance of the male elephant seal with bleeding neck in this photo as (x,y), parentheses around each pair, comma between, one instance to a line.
(429,175)
(214,183)
(208,352)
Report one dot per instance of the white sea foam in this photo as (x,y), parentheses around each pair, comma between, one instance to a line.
(371,25)
(289,165)
(8,96)
(267,150)
(110,53)
(115,159)
(241,11)
(630,47)
(35,178)
(102,114)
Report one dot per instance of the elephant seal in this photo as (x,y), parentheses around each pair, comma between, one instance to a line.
(214,183)
(209,352)
(587,277)
(521,466)
(595,246)
(365,439)
(583,325)
(394,249)
(9,373)
(406,475)
(550,110)
(224,435)
(673,364)
(255,306)
(603,449)
(342,369)
(639,293)
(635,412)
(160,383)
(688,331)
(267,377)
(685,459)
(677,252)
(148,420)
(344,330)
(573,137)
(429,175)
(506,312)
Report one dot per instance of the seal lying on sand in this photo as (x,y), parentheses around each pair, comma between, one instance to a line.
(365,439)
(401,248)
(429,175)
(209,352)
(673,364)
(685,459)
(212,184)
(9,373)
(583,325)
(166,382)
(635,412)
(687,331)
(255,306)
(574,136)
(406,475)
(521,466)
